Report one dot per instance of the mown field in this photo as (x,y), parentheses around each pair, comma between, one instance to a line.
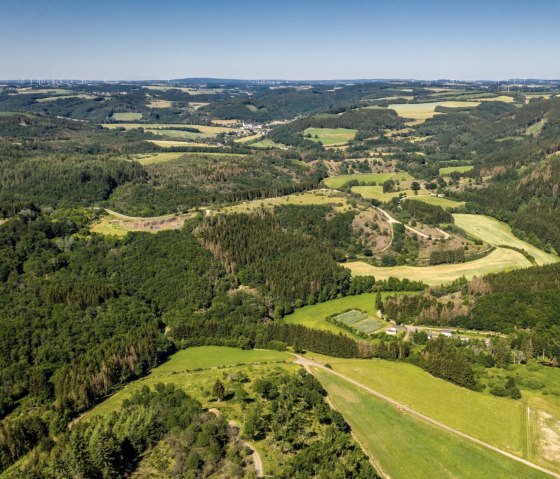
(127,116)
(445,203)
(155,158)
(424,111)
(159,104)
(313,316)
(267,143)
(330,136)
(379,178)
(450,169)
(495,420)
(179,143)
(501,259)
(405,447)
(497,233)
(376,193)
(162,128)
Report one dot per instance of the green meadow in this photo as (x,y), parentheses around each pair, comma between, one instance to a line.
(405,447)
(330,136)
(445,203)
(195,370)
(447,170)
(379,178)
(498,233)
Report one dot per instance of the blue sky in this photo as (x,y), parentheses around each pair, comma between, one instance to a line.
(126,39)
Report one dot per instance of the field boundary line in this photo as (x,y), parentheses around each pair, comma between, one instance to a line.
(307,363)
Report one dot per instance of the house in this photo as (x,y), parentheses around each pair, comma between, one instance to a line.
(392,331)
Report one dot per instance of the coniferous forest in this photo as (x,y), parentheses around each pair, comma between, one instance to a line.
(139,220)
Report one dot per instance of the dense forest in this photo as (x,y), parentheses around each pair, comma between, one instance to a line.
(189,442)
(83,314)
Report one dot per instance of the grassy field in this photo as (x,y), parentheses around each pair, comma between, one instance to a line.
(360,321)
(115,224)
(267,143)
(445,203)
(376,193)
(498,421)
(317,197)
(183,367)
(379,178)
(208,130)
(192,91)
(179,134)
(406,447)
(247,139)
(313,316)
(64,97)
(155,158)
(450,169)
(497,233)
(502,98)
(501,259)
(425,111)
(179,143)
(330,136)
(44,91)
(126,116)
(159,104)
(105,226)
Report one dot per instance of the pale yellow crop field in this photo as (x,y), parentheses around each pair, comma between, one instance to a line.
(498,233)
(501,259)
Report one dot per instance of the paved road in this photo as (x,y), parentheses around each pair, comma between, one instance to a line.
(307,364)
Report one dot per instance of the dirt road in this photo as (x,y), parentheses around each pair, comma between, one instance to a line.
(257,461)
(308,364)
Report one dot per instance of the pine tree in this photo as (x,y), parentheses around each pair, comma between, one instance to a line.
(379,302)
(219,391)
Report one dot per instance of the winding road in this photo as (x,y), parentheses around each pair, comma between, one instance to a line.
(392,221)
(255,456)
(308,364)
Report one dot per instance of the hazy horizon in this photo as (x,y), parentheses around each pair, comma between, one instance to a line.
(126,40)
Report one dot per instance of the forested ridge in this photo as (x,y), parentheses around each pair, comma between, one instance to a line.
(83,314)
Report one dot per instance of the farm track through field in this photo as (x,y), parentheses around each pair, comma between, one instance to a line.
(393,220)
(308,364)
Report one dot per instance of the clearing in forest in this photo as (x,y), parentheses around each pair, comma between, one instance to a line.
(445,203)
(424,111)
(116,224)
(446,170)
(314,315)
(330,136)
(316,197)
(126,116)
(379,178)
